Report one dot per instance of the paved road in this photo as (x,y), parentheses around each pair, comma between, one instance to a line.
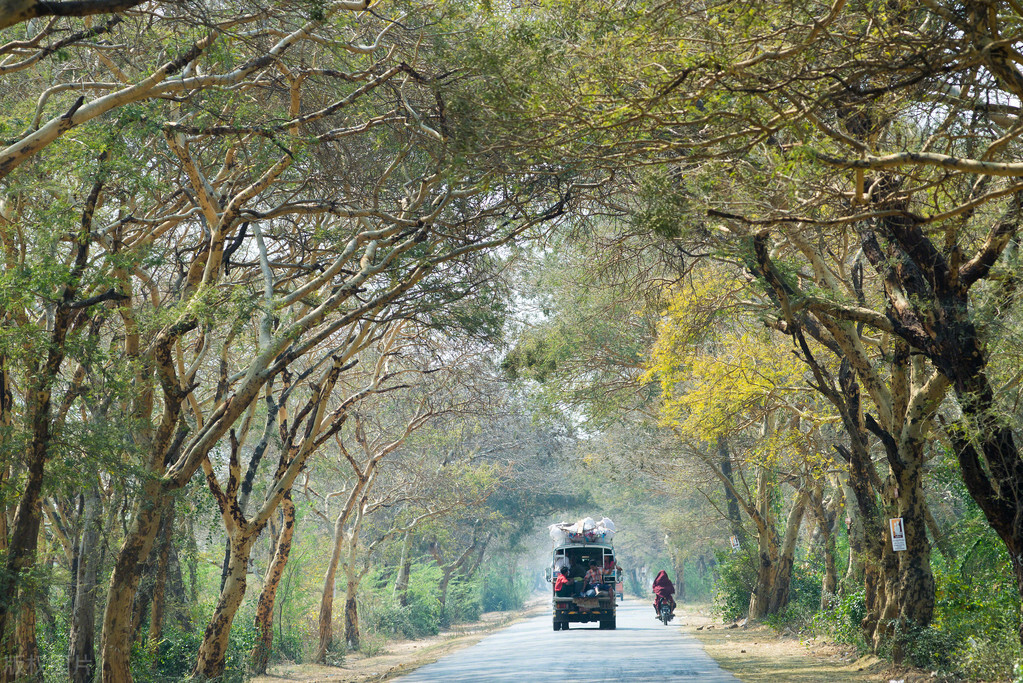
(640,649)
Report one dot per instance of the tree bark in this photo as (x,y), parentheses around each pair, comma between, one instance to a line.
(115,643)
(404,570)
(325,622)
(158,608)
(731,502)
(267,597)
(81,640)
(782,588)
(29,665)
(210,661)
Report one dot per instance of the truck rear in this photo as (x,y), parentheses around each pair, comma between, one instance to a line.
(573,600)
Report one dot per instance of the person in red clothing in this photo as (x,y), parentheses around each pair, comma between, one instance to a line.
(663,590)
(563,585)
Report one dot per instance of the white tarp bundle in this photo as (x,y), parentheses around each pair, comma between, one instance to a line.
(583,531)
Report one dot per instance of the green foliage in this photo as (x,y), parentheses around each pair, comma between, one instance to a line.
(464,602)
(420,617)
(804,597)
(502,588)
(737,576)
(174,656)
(842,621)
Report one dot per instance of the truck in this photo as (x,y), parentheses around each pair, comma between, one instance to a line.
(571,605)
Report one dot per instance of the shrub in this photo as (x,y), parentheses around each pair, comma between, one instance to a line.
(842,621)
(502,588)
(737,575)
(419,618)
(464,602)
(175,655)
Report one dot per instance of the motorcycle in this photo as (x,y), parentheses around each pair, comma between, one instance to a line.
(665,614)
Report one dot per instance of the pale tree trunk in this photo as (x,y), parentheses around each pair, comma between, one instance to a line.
(352,577)
(210,661)
(404,570)
(767,550)
(825,516)
(325,623)
(81,644)
(267,597)
(783,571)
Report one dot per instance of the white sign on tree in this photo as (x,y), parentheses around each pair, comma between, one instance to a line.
(898,533)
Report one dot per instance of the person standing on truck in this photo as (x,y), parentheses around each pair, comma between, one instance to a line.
(663,590)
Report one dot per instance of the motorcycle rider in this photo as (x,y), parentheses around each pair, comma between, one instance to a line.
(663,590)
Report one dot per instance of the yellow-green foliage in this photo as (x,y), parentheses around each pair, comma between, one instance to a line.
(717,374)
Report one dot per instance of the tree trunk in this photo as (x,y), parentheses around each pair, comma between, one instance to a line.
(829,582)
(888,598)
(732,503)
(352,634)
(916,580)
(29,665)
(158,607)
(267,597)
(209,664)
(115,644)
(767,552)
(854,571)
(81,643)
(21,554)
(760,599)
(404,570)
(326,618)
(782,588)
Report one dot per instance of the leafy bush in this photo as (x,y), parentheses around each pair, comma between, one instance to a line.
(464,602)
(287,647)
(842,621)
(502,588)
(175,655)
(419,618)
(737,575)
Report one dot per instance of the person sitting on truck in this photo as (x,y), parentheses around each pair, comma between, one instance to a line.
(594,581)
(663,590)
(610,569)
(563,585)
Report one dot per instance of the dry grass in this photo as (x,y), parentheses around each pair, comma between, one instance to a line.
(758,654)
(398,657)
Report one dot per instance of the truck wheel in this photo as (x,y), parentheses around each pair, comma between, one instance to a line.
(557,625)
(609,624)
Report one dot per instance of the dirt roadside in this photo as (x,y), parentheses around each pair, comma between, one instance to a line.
(756,654)
(401,657)
(759,654)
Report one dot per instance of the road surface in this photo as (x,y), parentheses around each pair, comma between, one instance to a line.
(641,649)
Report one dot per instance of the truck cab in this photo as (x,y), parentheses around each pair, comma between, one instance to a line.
(570,605)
